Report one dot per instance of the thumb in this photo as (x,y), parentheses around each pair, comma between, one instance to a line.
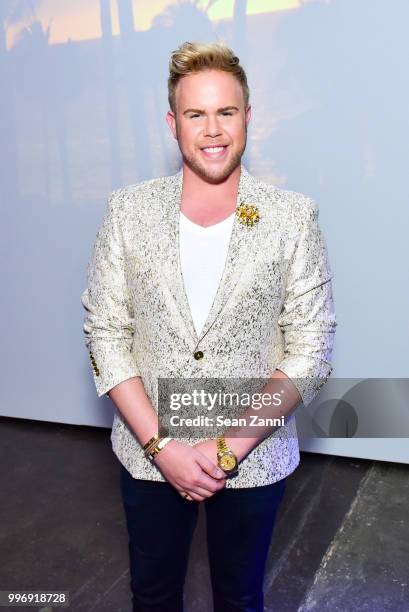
(209,467)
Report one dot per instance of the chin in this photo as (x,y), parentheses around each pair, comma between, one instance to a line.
(214,175)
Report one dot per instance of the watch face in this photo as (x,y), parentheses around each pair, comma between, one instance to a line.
(228,462)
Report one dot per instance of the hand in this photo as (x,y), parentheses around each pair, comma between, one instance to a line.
(209,449)
(190,470)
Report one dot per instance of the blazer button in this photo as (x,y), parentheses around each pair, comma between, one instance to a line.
(198,355)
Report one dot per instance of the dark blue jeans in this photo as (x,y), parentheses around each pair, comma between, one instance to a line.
(160,525)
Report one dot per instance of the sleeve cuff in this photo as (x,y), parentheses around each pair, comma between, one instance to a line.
(305,375)
(111,366)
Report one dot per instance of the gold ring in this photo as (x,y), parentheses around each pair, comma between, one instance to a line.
(187,496)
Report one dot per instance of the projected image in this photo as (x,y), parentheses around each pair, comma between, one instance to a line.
(84,110)
(83,104)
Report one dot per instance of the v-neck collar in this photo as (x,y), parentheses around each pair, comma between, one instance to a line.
(243,243)
(202,228)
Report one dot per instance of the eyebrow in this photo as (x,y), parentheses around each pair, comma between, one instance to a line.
(202,112)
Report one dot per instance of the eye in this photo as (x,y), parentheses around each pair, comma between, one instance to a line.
(229,113)
(193,116)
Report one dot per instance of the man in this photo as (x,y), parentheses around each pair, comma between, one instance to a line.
(209,273)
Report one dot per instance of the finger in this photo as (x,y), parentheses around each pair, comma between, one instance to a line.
(199,493)
(205,485)
(186,496)
(195,496)
(204,488)
(192,492)
(209,467)
(211,484)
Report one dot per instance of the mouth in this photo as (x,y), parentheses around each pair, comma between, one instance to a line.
(215,152)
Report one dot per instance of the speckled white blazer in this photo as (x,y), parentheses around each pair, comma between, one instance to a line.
(273,309)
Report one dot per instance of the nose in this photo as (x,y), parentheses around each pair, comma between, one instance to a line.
(212,127)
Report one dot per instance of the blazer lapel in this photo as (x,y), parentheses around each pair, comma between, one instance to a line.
(242,246)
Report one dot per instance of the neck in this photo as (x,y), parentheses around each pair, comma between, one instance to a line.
(202,193)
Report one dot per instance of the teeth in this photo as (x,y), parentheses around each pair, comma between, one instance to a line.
(213,149)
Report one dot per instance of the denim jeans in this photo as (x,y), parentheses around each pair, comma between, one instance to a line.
(160,527)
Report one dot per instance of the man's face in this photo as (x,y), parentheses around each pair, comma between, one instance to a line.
(210,114)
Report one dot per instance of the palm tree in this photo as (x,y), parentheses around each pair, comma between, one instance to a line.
(11,12)
(111,102)
(239,25)
(133,61)
(15,11)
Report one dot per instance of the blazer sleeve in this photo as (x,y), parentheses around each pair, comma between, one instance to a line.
(307,319)
(109,323)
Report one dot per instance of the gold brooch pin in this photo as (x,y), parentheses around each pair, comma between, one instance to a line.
(248,214)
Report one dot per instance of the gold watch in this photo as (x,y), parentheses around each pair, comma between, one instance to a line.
(226,459)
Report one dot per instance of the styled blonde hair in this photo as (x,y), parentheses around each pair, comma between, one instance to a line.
(193,57)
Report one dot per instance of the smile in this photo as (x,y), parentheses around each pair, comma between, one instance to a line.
(215,152)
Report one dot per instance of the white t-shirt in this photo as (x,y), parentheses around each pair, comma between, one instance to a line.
(203,253)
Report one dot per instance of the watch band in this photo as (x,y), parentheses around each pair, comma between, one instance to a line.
(222,451)
(222,446)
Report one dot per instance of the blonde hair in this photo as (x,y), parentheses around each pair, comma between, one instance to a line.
(193,57)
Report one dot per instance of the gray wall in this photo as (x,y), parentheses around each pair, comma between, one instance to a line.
(329,92)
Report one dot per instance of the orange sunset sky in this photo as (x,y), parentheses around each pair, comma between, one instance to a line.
(79,20)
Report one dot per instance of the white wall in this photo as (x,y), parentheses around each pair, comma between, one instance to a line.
(77,119)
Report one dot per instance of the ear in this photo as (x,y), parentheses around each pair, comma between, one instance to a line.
(171,121)
(248,114)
